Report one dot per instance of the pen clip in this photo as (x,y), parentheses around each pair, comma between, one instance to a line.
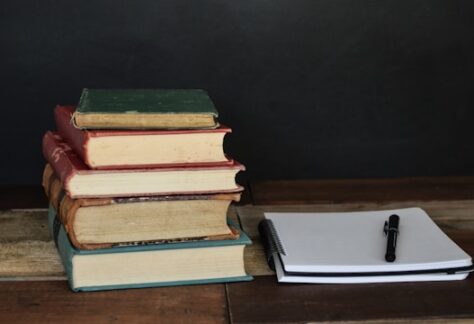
(385,228)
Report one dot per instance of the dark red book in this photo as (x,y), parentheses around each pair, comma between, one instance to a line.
(80,181)
(112,149)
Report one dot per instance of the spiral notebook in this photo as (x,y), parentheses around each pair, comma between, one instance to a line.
(350,247)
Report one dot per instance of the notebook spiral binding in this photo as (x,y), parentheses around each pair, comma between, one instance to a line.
(271,242)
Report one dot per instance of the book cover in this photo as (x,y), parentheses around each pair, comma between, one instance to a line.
(145,108)
(134,182)
(67,210)
(194,146)
(67,253)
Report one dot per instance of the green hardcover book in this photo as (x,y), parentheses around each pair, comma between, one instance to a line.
(145,109)
(151,265)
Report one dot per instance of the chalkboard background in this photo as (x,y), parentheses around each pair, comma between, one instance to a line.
(312,89)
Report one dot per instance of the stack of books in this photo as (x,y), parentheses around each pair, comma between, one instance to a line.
(139,188)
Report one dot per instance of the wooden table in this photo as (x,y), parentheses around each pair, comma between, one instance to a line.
(262,300)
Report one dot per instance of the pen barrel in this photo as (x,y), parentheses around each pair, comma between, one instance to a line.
(391,246)
(392,235)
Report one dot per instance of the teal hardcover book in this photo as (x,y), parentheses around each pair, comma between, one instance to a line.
(145,109)
(151,265)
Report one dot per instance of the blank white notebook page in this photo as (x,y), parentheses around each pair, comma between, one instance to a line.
(355,242)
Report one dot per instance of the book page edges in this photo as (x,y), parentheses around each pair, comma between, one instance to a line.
(144,120)
(165,284)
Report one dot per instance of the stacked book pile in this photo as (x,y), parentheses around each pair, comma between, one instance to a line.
(139,188)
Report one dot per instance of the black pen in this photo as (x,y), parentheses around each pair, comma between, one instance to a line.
(391,231)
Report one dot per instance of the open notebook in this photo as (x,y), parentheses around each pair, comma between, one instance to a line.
(350,248)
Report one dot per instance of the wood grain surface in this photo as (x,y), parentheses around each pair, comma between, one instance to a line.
(369,190)
(53,302)
(265,300)
(27,251)
(450,201)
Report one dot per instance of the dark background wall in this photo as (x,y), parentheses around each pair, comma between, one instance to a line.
(312,89)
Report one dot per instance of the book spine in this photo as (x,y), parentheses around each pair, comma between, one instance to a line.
(48,177)
(74,137)
(66,207)
(67,214)
(65,249)
(82,99)
(57,157)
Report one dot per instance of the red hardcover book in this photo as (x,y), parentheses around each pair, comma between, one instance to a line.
(119,149)
(79,181)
